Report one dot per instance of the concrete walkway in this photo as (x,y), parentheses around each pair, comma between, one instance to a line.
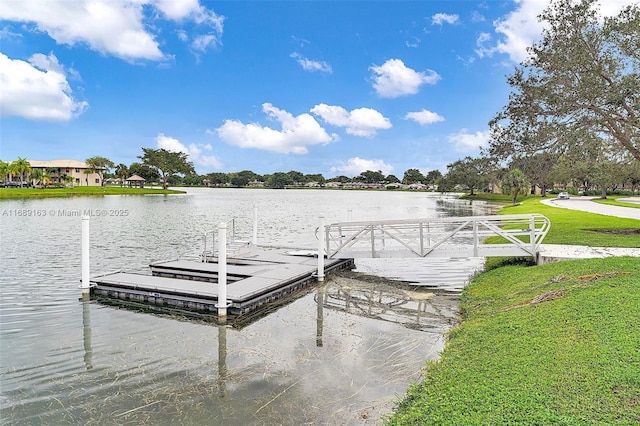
(556,252)
(587,205)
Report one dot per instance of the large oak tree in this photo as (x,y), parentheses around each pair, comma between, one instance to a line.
(99,165)
(584,75)
(166,163)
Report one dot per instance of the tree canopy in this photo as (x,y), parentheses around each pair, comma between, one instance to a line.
(583,76)
(473,173)
(99,165)
(412,176)
(166,163)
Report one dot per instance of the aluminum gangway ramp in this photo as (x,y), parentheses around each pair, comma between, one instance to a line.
(518,235)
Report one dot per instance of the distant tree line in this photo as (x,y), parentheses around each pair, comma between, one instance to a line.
(244,178)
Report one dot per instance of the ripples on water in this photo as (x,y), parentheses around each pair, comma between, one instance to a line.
(337,354)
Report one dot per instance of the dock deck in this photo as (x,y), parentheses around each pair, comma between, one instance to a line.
(253,279)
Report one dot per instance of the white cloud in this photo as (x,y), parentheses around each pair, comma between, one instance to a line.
(355,166)
(393,79)
(465,141)
(477,16)
(293,137)
(520,28)
(195,153)
(118,28)
(309,65)
(37,90)
(424,117)
(359,122)
(414,42)
(441,18)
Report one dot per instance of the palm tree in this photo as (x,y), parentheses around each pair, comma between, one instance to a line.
(52,172)
(12,171)
(87,172)
(37,177)
(515,183)
(68,179)
(22,167)
(4,171)
(122,171)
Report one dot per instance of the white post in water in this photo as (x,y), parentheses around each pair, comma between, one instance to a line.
(321,236)
(255,226)
(222,272)
(85,256)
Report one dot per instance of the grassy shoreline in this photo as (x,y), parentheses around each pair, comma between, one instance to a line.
(550,344)
(79,191)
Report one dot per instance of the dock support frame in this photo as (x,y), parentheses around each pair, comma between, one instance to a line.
(222,273)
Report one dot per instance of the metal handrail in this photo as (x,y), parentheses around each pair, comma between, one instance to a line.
(213,233)
(448,236)
(231,232)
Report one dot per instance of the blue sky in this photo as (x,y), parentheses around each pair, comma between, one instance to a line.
(314,86)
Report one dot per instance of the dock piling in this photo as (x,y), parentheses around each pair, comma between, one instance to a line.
(222,272)
(86,274)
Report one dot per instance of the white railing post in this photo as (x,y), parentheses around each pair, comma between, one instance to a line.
(532,229)
(86,275)
(321,249)
(475,238)
(254,240)
(222,272)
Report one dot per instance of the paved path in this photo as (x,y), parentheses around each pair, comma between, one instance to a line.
(555,252)
(585,204)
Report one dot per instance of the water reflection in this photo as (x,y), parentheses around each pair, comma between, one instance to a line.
(86,331)
(330,355)
(359,360)
(222,360)
(413,307)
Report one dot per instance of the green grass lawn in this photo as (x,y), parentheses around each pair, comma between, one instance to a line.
(613,200)
(551,344)
(539,345)
(581,228)
(8,193)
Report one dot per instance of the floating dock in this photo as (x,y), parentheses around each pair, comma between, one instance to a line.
(253,279)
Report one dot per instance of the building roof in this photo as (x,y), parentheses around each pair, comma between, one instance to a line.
(136,178)
(71,164)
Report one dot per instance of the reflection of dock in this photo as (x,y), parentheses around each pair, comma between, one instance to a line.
(254,278)
(380,300)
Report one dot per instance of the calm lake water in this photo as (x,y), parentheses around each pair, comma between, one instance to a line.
(340,353)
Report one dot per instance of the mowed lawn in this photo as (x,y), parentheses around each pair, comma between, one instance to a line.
(556,344)
(14,193)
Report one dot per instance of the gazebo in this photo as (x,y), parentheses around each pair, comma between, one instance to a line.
(136,181)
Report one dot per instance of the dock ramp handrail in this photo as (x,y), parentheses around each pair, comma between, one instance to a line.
(520,235)
(234,245)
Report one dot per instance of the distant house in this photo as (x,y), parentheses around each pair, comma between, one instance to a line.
(417,187)
(81,173)
(135,181)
